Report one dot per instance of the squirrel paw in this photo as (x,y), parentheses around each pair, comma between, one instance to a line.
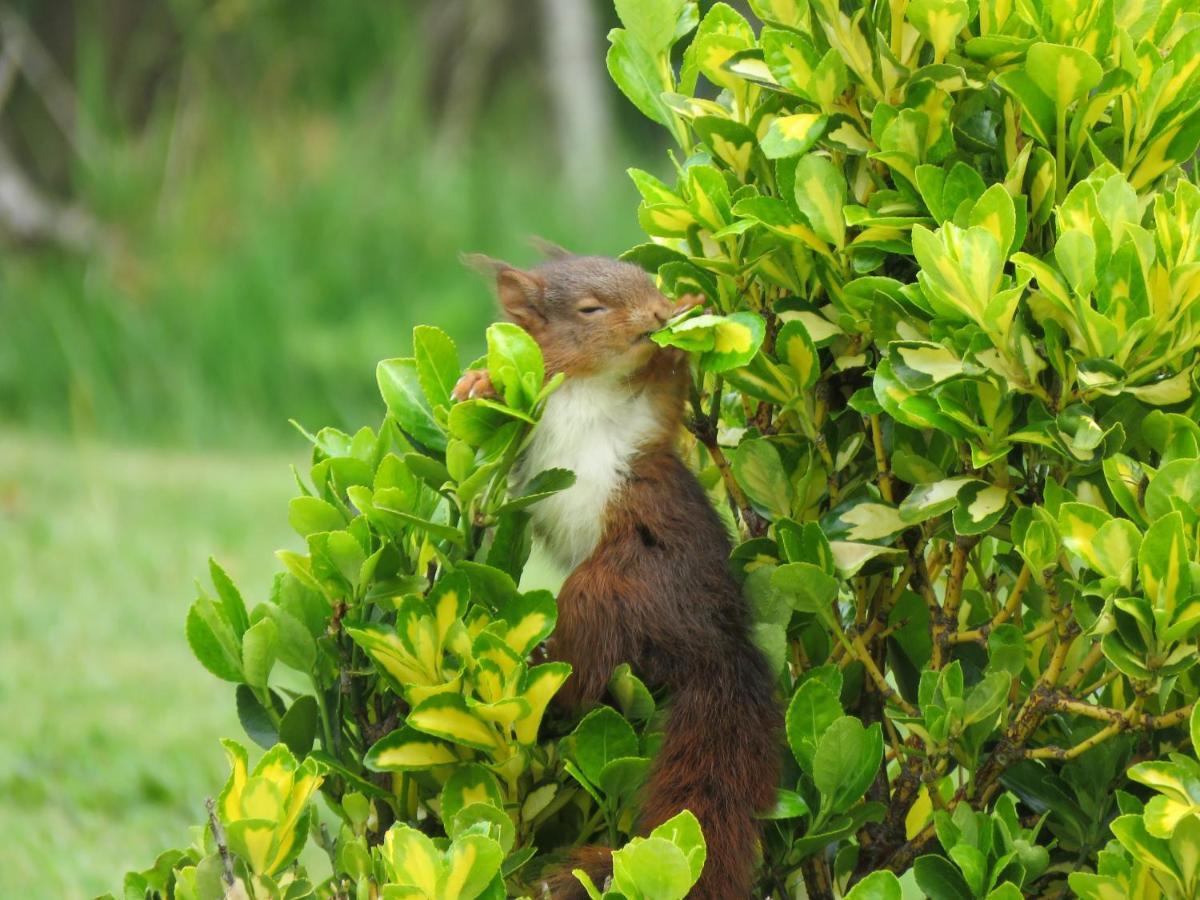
(474,383)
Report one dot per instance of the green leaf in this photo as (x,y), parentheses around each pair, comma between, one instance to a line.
(1195,729)
(514,362)
(980,507)
(795,346)
(632,696)
(478,421)
(725,342)
(472,862)
(921,365)
(793,135)
(254,718)
(298,727)
(1125,659)
(849,557)
(1037,107)
(437,364)
(813,709)
(650,22)
(939,22)
(600,738)
(995,212)
(541,486)
(1006,649)
(407,749)
(986,697)
(960,271)
(1075,253)
(927,501)
(758,469)
(213,640)
(622,778)
(864,521)
(531,618)
(652,867)
(231,599)
(845,763)
(469,783)
(260,645)
(1144,847)
(638,76)
(881,885)
(810,588)
(683,830)
(1175,487)
(788,805)
(309,515)
(1064,74)
(787,13)
(447,716)
(1163,565)
(821,196)
(400,385)
(940,880)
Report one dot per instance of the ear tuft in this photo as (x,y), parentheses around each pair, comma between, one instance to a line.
(548,249)
(484,265)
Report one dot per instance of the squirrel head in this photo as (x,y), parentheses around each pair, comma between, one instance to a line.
(589,314)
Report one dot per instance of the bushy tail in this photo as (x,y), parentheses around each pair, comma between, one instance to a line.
(720,759)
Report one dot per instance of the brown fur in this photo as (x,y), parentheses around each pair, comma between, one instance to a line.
(656,592)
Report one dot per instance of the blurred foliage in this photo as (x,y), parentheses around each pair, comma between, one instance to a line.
(276,201)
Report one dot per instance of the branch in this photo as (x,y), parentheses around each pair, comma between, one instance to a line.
(1010,608)
(218,834)
(1040,700)
(706,434)
(886,691)
(881,460)
(944,619)
(1129,718)
(1086,665)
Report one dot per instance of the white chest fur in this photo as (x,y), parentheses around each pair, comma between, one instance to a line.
(592,426)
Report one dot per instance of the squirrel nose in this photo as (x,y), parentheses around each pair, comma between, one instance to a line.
(662,312)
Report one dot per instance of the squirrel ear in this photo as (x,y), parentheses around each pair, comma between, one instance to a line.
(521,295)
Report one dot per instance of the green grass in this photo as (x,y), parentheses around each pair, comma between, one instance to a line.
(109,744)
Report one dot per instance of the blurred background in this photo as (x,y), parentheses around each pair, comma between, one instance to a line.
(216,215)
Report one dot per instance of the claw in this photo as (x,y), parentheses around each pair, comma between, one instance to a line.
(473,383)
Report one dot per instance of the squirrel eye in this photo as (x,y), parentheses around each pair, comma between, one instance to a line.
(591,308)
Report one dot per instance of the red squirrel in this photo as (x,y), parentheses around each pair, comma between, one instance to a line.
(649,582)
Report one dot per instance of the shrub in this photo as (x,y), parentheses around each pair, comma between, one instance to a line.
(947,397)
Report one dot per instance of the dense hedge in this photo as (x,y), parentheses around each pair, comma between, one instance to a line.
(946,396)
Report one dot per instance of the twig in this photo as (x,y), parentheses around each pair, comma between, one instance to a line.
(1130,718)
(886,691)
(218,834)
(706,434)
(881,460)
(1094,656)
(943,620)
(1042,630)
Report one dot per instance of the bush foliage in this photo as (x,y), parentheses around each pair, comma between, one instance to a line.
(946,396)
